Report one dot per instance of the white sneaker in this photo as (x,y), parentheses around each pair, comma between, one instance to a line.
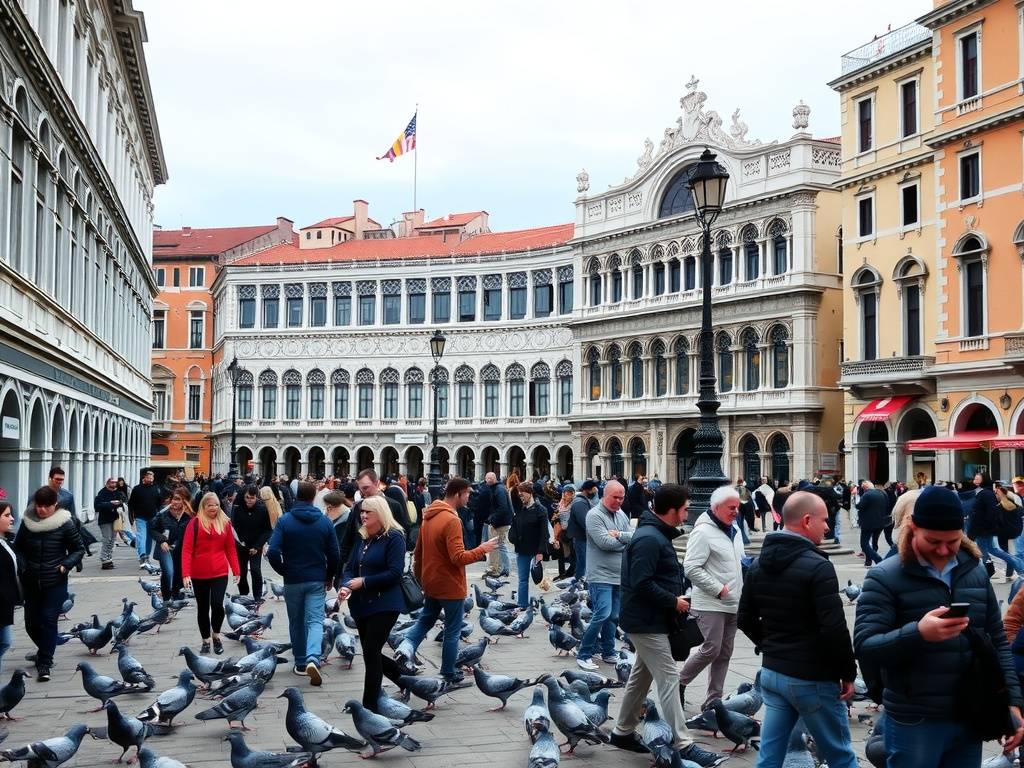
(587,664)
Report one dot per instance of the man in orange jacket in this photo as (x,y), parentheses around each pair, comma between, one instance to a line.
(439,563)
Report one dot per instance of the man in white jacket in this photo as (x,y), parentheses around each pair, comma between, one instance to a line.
(712,563)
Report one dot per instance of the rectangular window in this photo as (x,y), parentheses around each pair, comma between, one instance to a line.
(415,409)
(194,394)
(318,311)
(465,399)
(869,325)
(161,277)
(542,295)
(365,401)
(271,308)
(442,401)
(595,290)
(912,302)
(909,202)
(291,401)
(442,307)
(342,310)
(195,329)
(491,399)
(196,277)
(176,278)
(417,308)
(467,306)
(294,312)
(970,176)
(159,324)
(540,397)
(565,298)
(565,395)
(865,217)
(865,118)
(366,309)
(517,303)
(908,107)
(975,299)
(969,85)
(659,279)
(245,402)
(160,403)
(269,395)
(392,310)
(492,303)
(673,276)
(515,398)
(247,313)
(390,401)
(316,401)
(341,401)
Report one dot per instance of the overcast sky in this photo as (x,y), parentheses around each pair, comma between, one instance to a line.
(278,109)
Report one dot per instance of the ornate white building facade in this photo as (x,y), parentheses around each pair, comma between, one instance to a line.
(80,155)
(776,306)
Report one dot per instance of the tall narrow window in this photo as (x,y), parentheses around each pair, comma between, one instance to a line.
(465,383)
(442,399)
(725,265)
(247,306)
(866,216)
(615,358)
(392,310)
(636,371)
(159,327)
(752,259)
(195,329)
(908,107)
(517,295)
(780,357)
(974,281)
(339,385)
(364,394)
(970,176)
(367,292)
(724,346)
(869,325)
(491,377)
(268,395)
(638,282)
(751,361)
(342,303)
(543,293)
(244,394)
(595,289)
(492,297)
(318,304)
(909,205)
(417,300)
(414,393)
(660,369)
(196,277)
(865,119)
(682,350)
(293,304)
(161,277)
(194,401)
(594,373)
(515,375)
(441,299)
(780,254)
(969,85)
(565,290)
(616,285)
(292,395)
(271,305)
(540,389)
(659,279)
(674,282)
(689,273)
(315,383)
(564,374)
(912,318)
(390,401)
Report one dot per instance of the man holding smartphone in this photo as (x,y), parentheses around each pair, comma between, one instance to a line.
(908,628)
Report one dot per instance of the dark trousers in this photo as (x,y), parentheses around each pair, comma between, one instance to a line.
(887,532)
(210,604)
(373,633)
(42,607)
(250,565)
(176,582)
(870,553)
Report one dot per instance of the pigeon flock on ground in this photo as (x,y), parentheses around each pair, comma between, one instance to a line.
(225,691)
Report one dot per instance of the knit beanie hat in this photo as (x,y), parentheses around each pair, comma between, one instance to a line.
(938,509)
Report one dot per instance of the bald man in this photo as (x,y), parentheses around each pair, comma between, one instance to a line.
(608,533)
(792,612)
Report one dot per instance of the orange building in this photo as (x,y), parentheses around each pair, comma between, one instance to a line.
(185,262)
(978,55)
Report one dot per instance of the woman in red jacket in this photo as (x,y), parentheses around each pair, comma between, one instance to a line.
(208,552)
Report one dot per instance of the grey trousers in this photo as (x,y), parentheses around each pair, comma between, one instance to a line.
(719,636)
(654,664)
(107,546)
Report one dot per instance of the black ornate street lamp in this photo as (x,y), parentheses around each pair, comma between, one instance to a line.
(707,182)
(235,372)
(437,342)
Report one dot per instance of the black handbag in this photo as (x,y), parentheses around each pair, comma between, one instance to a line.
(412,593)
(683,635)
(537,571)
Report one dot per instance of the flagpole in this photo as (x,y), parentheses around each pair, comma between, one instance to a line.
(415,158)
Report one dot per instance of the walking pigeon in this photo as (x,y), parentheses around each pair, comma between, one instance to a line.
(852,591)
(310,732)
(705,721)
(103,688)
(797,755)
(149,759)
(570,719)
(545,752)
(400,713)
(252,645)
(237,706)
(430,689)
(149,587)
(737,728)
(482,600)
(277,590)
(522,622)
(205,668)
(67,605)
(12,694)
(500,686)
(255,628)
(378,731)
(126,732)
(129,624)
(596,708)
(345,645)
(171,702)
(494,627)
(747,700)
(656,735)
(623,667)
(155,619)
(95,639)
(472,654)
(561,641)
(131,668)
(594,682)
(49,753)
(536,717)
(243,757)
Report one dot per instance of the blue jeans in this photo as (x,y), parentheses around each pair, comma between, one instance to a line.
(142,543)
(920,743)
(787,699)
(989,548)
(871,555)
(166,571)
(605,604)
(742,525)
(305,603)
(453,613)
(6,641)
(580,548)
(505,553)
(523,565)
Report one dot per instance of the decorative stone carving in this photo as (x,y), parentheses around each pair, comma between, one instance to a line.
(294,290)
(339,378)
(316,377)
(542,277)
(801,116)
(466,283)
(364,376)
(414,376)
(492,282)
(292,378)
(366,287)
(342,289)
(565,274)
(515,372)
(633,200)
(247,291)
(391,287)
(271,291)
(389,376)
(416,285)
(583,181)
(779,161)
(644,161)
(440,284)
(318,290)
(738,129)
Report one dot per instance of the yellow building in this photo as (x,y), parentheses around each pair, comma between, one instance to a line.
(888,239)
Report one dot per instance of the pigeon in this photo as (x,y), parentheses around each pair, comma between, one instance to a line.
(656,735)
(567,583)
(399,713)
(561,641)
(126,732)
(577,627)
(536,717)
(12,694)
(236,707)
(149,587)
(310,732)
(103,688)
(345,645)
(594,682)
(797,755)
(149,759)
(852,591)
(595,709)
(249,662)
(231,608)
(243,757)
(129,624)
(152,570)
(155,619)
(504,615)
(205,668)
(131,669)
(246,600)
(252,645)
(747,700)
(67,605)
(277,590)
(236,620)
(430,689)
(705,721)
(545,752)
(494,627)
(263,672)
(500,686)
(522,622)
(171,702)
(471,654)
(378,731)
(482,600)
(95,639)
(737,728)
(464,632)
(254,627)
(623,667)
(467,605)
(49,753)
(570,719)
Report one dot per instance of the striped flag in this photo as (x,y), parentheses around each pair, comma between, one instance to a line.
(404,143)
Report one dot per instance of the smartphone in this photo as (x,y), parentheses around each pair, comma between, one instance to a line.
(956,611)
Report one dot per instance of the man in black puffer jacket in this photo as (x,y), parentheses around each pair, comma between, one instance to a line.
(921,655)
(791,610)
(251,525)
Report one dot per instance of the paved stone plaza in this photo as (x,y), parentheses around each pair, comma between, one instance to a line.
(462,734)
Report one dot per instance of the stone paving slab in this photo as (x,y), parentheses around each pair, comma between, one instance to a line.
(462,734)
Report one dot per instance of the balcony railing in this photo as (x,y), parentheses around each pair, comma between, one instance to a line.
(1014,344)
(887,367)
(884,46)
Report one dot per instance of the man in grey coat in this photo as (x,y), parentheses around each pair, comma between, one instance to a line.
(608,533)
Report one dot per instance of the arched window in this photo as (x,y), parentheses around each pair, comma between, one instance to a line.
(779,449)
(659,278)
(439,377)
(364,394)
(414,393)
(682,352)
(615,358)
(339,385)
(594,373)
(595,284)
(315,382)
(867,285)
(636,371)
(515,376)
(674,276)
(638,457)
(972,254)
(563,372)
(268,394)
(618,468)
(751,360)
(677,199)
(780,357)
(637,271)
(725,265)
(465,384)
(593,450)
(540,390)
(389,379)
(909,276)
(491,377)
(292,394)
(780,254)
(723,344)
(616,285)
(750,449)
(660,368)
(689,273)
(244,395)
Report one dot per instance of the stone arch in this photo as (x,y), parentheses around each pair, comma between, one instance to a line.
(969,413)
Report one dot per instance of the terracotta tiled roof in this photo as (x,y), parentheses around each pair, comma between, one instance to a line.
(451,220)
(203,242)
(833,139)
(329,222)
(422,246)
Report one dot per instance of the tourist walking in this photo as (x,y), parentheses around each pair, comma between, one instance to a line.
(107,505)
(273,506)
(10,580)
(792,612)
(920,655)
(371,585)
(713,564)
(167,530)
(208,555)
(251,524)
(652,598)
(495,500)
(608,533)
(123,528)
(872,513)
(576,530)
(439,563)
(304,550)
(563,544)
(50,547)
(529,536)
(369,486)
(143,506)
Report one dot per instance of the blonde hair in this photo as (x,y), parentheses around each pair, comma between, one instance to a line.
(220,522)
(387,521)
(904,506)
(271,503)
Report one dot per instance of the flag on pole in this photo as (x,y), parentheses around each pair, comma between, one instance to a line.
(404,143)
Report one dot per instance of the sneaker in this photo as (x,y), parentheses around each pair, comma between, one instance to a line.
(587,664)
(299,671)
(313,671)
(455,677)
(218,646)
(205,647)
(701,757)
(630,743)
(107,567)
(610,659)
(43,675)
(30,656)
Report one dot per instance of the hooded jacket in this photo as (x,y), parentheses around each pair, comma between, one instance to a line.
(529,528)
(303,547)
(791,610)
(251,525)
(45,545)
(651,577)
(713,561)
(440,558)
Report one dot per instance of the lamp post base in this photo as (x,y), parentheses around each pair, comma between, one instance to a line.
(232,471)
(708,473)
(434,481)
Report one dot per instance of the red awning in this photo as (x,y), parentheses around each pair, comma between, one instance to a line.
(964,441)
(881,410)
(1009,442)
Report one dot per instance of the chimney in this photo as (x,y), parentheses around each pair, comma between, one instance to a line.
(361,211)
(186,231)
(411,220)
